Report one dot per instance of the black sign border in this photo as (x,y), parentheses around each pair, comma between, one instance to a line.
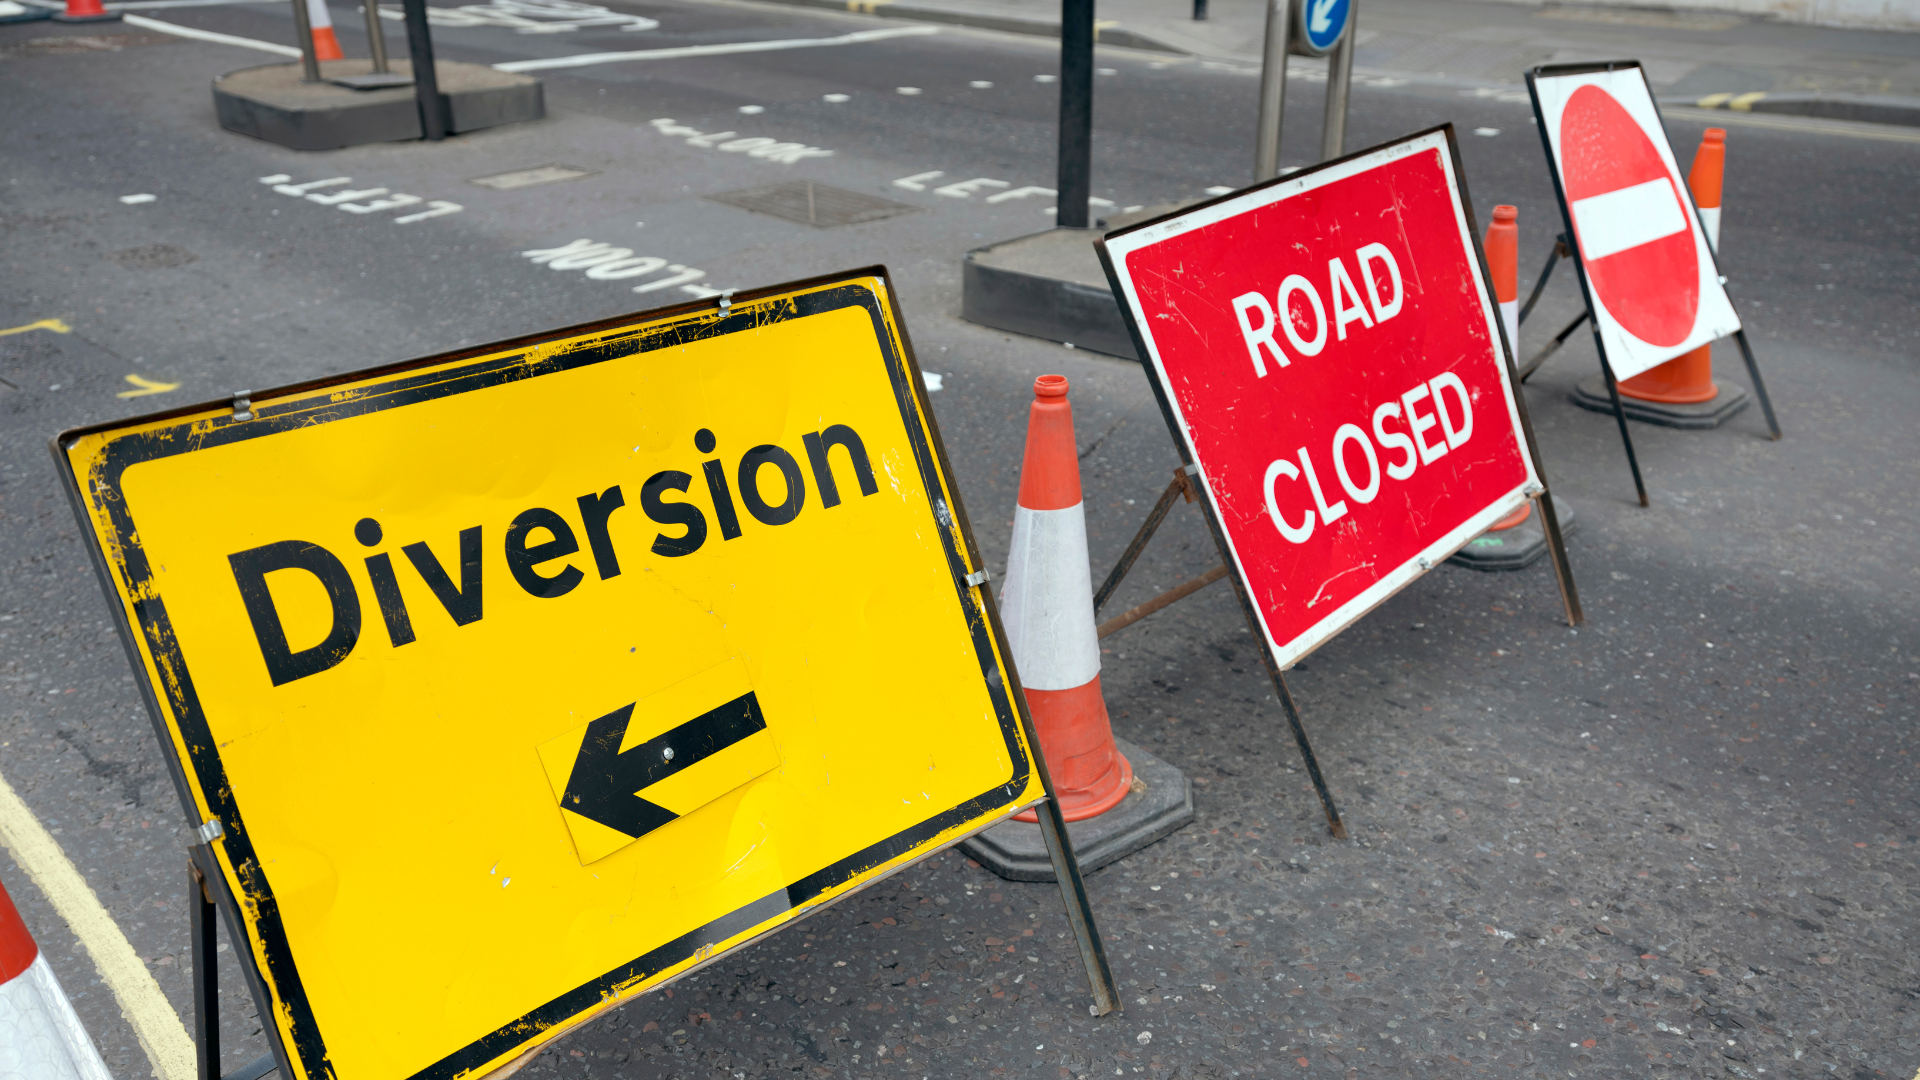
(697,323)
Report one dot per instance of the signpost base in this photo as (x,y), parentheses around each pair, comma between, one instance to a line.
(1160,804)
(1513,549)
(1728,403)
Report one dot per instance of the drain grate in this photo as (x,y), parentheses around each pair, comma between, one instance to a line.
(813,204)
(152,257)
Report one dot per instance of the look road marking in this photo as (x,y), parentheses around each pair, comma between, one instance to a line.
(154,1022)
(54,325)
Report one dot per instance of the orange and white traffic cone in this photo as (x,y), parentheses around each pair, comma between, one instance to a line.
(1503,262)
(326,46)
(1047,604)
(86,11)
(40,1036)
(1688,379)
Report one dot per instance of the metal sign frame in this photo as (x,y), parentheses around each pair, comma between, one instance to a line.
(1568,246)
(1563,571)
(237,882)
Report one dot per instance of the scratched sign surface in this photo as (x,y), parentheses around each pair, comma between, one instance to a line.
(525,679)
(1327,349)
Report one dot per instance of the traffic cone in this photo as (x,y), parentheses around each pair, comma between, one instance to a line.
(1688,379)
(1047,603)
(1503,262)
(325,45)
(40,1037)
(86,11)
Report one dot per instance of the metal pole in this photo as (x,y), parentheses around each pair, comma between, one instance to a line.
(206,981)
(426,86)
(303,28)
(1075,170)
(1273,91)
(376,37)
(1199,10)
(1333,132)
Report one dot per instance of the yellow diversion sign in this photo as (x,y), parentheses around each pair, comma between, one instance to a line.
(524,679)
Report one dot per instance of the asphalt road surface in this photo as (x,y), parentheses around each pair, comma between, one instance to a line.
(1679,840)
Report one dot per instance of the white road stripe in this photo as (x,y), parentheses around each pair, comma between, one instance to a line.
(208,35)
(157,1026)
(1626,218)
(588,59)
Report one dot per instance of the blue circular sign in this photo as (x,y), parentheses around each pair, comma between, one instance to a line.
(1323,23)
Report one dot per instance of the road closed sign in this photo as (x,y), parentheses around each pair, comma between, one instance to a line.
(1651,278)
(1327,351)
(524,679)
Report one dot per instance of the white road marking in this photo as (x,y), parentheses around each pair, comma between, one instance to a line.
(835,99)
(155,1024)
(1218,190)
(784,153)
(933,380)
(1486,132)
(917,182)
(207,35)
(135,200)
(909,91)
(962,189)
(1045,78)
(753,110)
(586,59)
(344,200)
(605,262)
(436,208)
(1021,193)
(1107,71)
(155,5)
(981,84)
(524,16)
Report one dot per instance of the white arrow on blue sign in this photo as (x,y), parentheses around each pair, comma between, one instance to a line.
(1323,23)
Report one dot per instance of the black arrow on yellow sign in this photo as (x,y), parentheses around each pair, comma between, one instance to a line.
(605,778)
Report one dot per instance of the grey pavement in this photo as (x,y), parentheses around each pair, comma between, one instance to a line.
(1677,842)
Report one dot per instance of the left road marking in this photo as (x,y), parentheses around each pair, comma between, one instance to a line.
(157,1026)
(585,59)
(54,325)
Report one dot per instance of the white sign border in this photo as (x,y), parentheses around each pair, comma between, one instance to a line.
(1119,247)
(1626,354)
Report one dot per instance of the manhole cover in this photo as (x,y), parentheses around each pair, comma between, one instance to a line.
(152,257)
(813,204)
(544,174)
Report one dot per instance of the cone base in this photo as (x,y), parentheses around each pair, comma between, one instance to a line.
(1016,851)
(1683,380)
(1730,399)
(1516,548)
(1079,806)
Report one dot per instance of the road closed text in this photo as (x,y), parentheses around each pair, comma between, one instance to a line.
(1404,426)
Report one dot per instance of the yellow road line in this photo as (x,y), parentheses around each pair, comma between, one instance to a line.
(54,325)
(1807,125)
(157,1026)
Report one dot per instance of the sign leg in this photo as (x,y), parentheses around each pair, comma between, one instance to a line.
(1154,517)
(1333,130)
(1334,825)
(1086,934)
(1273,92)
(1620,416)
(1553,346)
(1557,551)
(1540,284)
(206,979)
(1759,387)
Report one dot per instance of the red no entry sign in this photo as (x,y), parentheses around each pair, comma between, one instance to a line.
(1654,287)
(1327,350)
